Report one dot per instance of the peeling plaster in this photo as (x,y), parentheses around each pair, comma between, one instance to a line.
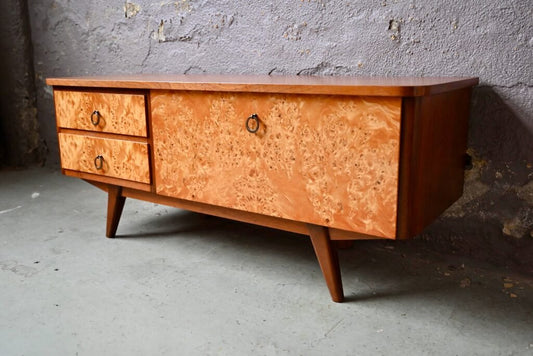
(526,192)
(131,9)
(160,35)
(520,225)
(294,32)
(394,30)
(183,5)
(475,189)
(324,68)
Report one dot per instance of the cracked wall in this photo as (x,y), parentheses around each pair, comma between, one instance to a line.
(490,39)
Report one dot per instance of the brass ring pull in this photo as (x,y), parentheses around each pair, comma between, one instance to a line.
(99,162)
(255,127)
(96,114)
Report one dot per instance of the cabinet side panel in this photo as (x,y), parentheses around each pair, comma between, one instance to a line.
(433,153)
(325,160)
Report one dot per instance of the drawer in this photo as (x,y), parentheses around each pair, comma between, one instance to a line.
(325,160)
(104,112)
(106,157)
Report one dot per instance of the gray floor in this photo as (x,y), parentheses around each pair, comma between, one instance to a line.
(179,283)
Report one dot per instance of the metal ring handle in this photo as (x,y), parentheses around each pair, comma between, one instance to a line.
(255,118)
(99,162)
(97,114)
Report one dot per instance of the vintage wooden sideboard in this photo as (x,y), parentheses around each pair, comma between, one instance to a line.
(335,158)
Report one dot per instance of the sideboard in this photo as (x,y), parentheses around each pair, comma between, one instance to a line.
(335,158)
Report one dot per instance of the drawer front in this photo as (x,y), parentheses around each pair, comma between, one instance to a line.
(117,113)
(105,157)
(325,160)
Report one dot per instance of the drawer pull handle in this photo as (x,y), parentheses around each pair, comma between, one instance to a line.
(254,127)
(99,162)
(95,114)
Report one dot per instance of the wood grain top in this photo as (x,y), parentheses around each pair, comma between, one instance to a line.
(375,86)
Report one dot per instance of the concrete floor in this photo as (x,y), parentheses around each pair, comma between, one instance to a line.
(179,283)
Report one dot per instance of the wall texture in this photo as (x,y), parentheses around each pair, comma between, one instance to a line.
(486,38)
(20,142)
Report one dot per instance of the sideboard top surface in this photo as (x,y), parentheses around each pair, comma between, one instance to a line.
(332,85)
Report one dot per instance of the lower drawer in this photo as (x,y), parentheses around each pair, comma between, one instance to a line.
(104,156)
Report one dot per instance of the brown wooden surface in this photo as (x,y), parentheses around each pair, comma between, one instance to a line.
(368,86)
(103,181)
(340,235)
(327,258)
(115,205)
(122,159)
(119,113)
(325,160)
(237,215)
(434,134)
(104,135)
(150,135)
(433,140)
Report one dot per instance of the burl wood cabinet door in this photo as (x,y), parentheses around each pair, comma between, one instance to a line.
(326,160)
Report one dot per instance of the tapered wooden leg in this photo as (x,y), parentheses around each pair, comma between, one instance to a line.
(327,258)
(115,204)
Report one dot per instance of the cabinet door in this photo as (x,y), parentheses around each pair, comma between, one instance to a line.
(326,160)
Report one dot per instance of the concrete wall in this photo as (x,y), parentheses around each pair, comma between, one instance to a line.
(486,38)
(20,142)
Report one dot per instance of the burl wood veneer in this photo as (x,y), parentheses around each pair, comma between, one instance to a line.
(318,159)
(117,112)
(333,158)
(114,157)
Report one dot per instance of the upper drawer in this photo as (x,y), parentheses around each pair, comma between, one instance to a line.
(105,112)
